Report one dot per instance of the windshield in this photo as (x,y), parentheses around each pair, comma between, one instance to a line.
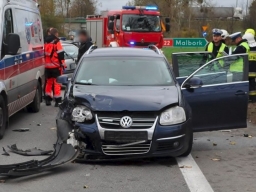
(71,50)
(141,23)
(124,72)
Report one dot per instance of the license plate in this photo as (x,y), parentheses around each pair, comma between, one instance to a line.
(126,136)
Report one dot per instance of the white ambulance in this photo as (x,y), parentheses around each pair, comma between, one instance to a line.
(22,58)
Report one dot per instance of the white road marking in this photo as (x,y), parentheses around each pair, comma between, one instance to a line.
(193,176)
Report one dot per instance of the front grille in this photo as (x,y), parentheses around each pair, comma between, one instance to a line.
(126,150)
(114,123)
(125,136)
(140,120)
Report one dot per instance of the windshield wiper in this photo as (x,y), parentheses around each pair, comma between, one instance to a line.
(88,83)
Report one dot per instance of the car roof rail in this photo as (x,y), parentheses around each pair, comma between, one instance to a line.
(91,49)
(155,48)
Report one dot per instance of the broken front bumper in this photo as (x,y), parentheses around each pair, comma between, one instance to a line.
(153,142)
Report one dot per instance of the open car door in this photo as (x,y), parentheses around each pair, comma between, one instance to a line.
(185,63)
(218,93)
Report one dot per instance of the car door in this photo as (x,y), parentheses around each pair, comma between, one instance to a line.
(186,63)
(10,63)
(217,95)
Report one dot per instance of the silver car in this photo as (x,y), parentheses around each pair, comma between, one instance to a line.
(71,53)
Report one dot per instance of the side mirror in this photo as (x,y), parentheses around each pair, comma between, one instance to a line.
(72,66)
(111,26)
(112,18)
(12,44)
(167,24)
(167,20)
(167,27)
(193,83)
(63,79)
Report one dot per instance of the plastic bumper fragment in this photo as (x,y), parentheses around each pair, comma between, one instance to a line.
(29,152)
(63,153)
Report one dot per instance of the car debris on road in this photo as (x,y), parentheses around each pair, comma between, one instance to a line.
(63,153)
(21,130)
(5,152)
(29,152)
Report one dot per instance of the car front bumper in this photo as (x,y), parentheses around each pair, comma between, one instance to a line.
(165,141)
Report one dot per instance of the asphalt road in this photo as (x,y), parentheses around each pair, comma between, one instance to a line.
(233,167)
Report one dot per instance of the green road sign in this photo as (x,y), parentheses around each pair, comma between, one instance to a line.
(189,42)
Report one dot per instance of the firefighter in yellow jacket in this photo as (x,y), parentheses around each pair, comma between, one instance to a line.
(252,65)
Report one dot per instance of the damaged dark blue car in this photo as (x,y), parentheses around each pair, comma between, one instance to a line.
(127,103)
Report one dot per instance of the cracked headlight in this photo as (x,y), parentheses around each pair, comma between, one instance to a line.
(174,115)
(81,114)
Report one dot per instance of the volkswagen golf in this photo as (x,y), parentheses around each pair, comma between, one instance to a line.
(131,103)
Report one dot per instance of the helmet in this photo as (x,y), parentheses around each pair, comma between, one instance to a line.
(250,31)
(250,38)
(224,34)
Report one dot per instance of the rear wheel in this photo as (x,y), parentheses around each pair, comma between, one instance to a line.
(34,107)
(3,117)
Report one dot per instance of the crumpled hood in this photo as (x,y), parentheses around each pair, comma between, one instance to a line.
(126,98)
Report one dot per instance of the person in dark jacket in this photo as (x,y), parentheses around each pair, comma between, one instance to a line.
(85,43)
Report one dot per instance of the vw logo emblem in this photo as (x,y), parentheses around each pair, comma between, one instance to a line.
(126,122)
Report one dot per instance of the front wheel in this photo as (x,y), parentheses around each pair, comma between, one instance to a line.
(190,144)
(34,107)
(3,117)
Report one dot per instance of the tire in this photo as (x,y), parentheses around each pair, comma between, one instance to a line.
(190,144)
(34,107)
(3,117)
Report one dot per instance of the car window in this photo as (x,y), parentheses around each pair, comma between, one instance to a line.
(223,70)
(187,63)
(124,71)
(71,50)
(7,29)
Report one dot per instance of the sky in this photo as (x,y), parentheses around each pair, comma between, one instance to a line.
(117,4)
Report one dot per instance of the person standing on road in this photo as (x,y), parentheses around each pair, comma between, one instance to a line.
(217,47)
(54,59)
(242,47)
(252,65)
(85,43)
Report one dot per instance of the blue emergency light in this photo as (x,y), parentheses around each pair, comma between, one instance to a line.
(132,43)
(151,8)
(129,7)
(141,7)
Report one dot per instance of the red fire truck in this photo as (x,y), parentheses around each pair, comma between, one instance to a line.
(132,26)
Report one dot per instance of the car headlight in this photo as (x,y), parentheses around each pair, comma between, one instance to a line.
(81,114)
(174,115)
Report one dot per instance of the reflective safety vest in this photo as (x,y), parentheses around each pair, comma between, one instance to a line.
(238,66)
(54,55)
(252,62)
(222,49)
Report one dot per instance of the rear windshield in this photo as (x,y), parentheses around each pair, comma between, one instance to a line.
(122,71)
